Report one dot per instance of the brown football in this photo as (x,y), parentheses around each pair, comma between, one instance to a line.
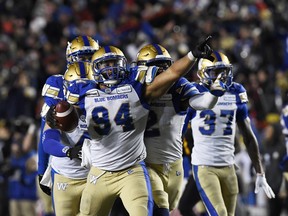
(67,116)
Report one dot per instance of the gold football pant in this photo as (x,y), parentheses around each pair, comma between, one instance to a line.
(218,188)
(67,195)
(166,182)
(132,185)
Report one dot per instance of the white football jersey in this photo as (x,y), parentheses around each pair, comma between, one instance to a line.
(163,135)
(64,165)
(116,120)
(213,130)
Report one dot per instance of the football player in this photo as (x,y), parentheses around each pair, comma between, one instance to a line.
(116,113)
(163,133)
(68,176)
(213,132)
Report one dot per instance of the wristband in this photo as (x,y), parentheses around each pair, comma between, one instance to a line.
(191,56)
(261,174)
(31,129)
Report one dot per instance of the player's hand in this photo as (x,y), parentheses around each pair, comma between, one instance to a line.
(74,152)
(202,50)
(218,88)
(262,183)
(44,188)
(50,118)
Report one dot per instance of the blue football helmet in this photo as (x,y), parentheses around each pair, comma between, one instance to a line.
(109,66)
(209,68)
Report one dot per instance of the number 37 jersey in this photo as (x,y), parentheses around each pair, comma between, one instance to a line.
(116,119)
(214,130)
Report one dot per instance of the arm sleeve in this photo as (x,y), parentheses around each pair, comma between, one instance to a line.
(43,157)
(52,144)
(203,101)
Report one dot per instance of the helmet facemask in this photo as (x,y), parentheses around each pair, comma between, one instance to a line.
(81,56)
(110,70)
(217,64)
(162,64)
(154,55)
(212,72)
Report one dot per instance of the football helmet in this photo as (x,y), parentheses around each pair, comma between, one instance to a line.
(109,65)
(209,68)
(81,49)
(78,70)
(154,55)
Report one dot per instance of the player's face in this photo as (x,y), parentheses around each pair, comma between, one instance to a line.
(85,58)
(162,65)
(109,64)
(213,73)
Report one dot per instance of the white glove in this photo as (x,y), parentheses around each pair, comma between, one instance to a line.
(261,182)
(218,88)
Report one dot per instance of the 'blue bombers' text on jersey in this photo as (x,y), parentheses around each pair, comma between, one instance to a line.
(116,119)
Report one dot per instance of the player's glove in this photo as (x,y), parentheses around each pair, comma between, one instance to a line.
(262,183)
(50,118)
(74,152)
(44,188)
(202,50)
(218,88)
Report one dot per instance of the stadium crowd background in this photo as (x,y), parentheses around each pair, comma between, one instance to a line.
(252,33)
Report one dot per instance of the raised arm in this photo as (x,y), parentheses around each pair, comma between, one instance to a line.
(179,68)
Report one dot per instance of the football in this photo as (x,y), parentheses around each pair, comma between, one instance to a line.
(67,116)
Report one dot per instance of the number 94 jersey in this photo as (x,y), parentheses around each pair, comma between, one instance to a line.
(116,119)
(214,130)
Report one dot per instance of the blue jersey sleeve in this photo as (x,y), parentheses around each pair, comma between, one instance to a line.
(181,91)
(241,101)
(52,144)
(78,89)
(53,89)
(184,89)
(43,157)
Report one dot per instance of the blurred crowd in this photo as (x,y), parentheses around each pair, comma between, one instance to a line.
(34,35)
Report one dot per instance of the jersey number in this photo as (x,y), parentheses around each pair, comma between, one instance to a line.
(152,120)
(210,119)
(100,116)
